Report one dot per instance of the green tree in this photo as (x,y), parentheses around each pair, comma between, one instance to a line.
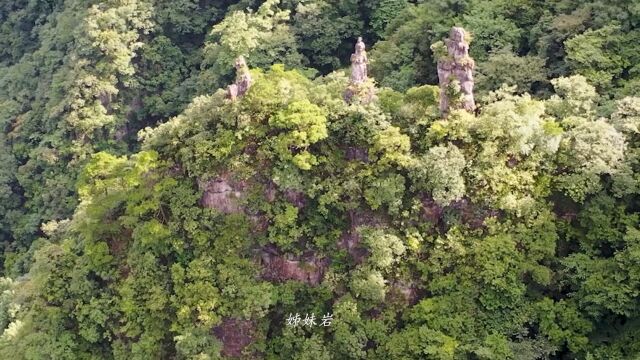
(263,38)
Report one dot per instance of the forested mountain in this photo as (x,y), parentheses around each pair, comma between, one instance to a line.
(147,211)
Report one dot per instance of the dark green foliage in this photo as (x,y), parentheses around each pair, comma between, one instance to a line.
(325,28)
(527,73)
(403,59)
(383,12)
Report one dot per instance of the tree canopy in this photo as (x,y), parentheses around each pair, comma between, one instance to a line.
(145,213)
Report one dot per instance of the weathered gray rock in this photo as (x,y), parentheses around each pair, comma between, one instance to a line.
(359,62)
(296,198)
(471,214)
(455,73)
(279,267)
(235,335)
(243,80)
(405,292)
(357,153)
(222,194)
(359,85)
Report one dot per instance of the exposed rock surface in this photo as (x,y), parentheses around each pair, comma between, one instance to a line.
(469,213)
(296,198)
(359,62)
(431,210)
(357,153)
(455,72)
(358,81)
(243,80)
(271,191)
(405,292)
(222,194)
(472,214)
(235,335)
(282,267)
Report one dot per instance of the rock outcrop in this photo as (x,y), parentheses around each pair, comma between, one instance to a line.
(405,292)
(357,153)
(296,198)
(359,86)
(279,267)
(243,80)
(455,73)
(235,335)
(469,213)
(222,194)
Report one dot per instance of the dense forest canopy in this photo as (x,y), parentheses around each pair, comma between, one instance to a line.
(147,214)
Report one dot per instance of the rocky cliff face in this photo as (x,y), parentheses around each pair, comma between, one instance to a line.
(278,267)
(222,194)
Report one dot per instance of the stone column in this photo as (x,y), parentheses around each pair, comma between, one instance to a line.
(455,73)
(358,81)
(243,80)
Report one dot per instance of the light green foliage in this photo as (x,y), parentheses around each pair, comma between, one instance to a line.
(602,55)
(197,344)
(368,284)
(349,333)
(626,118)
(278,88)
(391,148)
(110,34)
(561,322)
(498,269)
(512,128)
(8,307)
(606,283)
(312,349)
(262,37)
(590,149)
(574,97)
(440,172)
(413,112)
(422,99)
(518,124)
(385,249)
(495,346)
(596,145)
(304,124)
(284,231)
(417,342)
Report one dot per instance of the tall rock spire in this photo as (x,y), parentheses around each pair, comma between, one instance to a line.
(455,72)
(359,63)
(243,80)
(358,81)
